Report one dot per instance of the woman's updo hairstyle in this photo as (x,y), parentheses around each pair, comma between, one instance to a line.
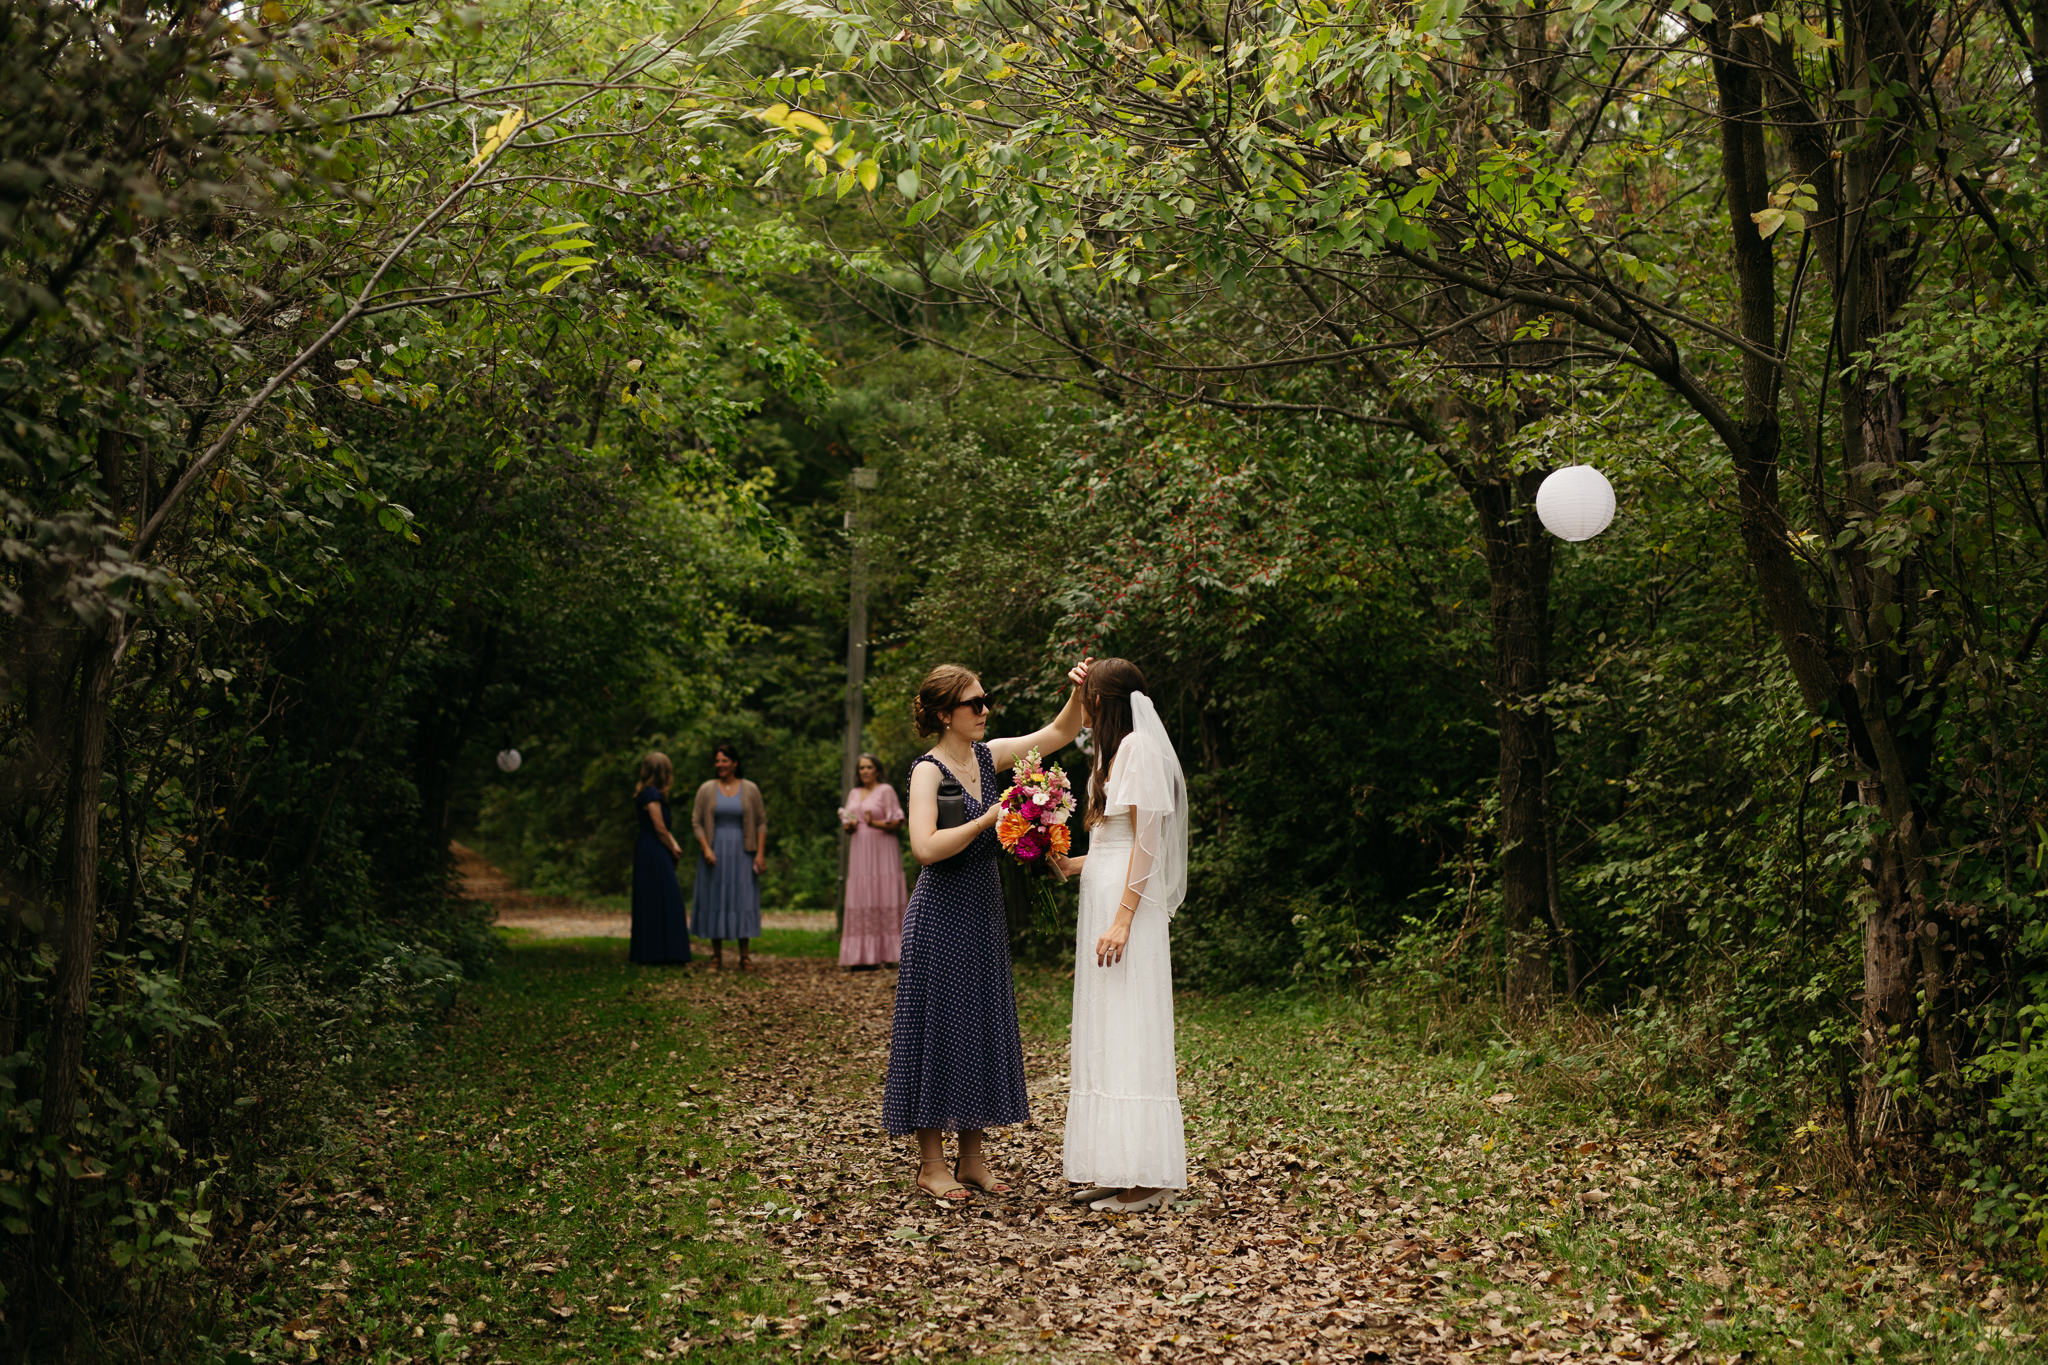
(881,773)
(1108,695)
(941,692)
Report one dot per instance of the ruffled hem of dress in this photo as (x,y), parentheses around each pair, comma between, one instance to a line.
(862,950)
(1126,1143)
(726,926)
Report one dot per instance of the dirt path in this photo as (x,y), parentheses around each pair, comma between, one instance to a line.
(561,917)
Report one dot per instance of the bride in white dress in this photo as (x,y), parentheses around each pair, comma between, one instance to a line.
(1126,1142)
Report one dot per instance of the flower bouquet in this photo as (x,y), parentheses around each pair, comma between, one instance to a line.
(1035,810)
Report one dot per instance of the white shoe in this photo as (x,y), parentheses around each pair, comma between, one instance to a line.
(1114,1204)
(1088,1194)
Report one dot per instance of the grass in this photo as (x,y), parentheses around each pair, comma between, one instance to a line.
(1539,1206)
(545,1187)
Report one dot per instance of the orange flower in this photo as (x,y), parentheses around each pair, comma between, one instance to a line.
(1011,828)
(1061,840)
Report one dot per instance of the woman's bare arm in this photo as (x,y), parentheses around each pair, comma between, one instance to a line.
(928,843)
(661,830)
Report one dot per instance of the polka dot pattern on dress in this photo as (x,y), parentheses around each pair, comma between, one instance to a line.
(956,1057)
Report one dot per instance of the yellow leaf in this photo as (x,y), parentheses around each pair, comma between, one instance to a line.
(273,13)
(870,175)
(777,114)
(799,119)
(503,129)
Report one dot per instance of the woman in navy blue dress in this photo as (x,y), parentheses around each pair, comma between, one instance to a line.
(956,1057)
(661,927)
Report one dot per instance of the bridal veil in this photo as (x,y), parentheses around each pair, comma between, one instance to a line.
(1147,777)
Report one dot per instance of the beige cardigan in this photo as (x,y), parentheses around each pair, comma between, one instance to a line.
(753,815)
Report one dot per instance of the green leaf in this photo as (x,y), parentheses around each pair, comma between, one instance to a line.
(906,182)
(563,278)
(584,262)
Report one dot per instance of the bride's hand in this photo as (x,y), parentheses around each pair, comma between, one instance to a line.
(1109,949)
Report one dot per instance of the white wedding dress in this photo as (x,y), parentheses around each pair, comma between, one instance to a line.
(1124,1127)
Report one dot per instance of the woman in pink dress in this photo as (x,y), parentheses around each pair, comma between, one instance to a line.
(874,872)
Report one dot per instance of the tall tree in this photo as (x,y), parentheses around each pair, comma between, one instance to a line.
(1263,209)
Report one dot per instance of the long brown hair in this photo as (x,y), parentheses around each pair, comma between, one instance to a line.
(1108,696)
(657,771)
(940,692)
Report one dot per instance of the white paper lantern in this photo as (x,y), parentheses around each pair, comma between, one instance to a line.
(1576,502)
(508,760)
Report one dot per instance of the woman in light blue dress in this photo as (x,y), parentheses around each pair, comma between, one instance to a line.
(731,824)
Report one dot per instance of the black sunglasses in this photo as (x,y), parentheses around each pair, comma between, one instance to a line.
(979,705)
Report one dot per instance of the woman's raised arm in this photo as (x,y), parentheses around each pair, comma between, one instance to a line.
(1049,739)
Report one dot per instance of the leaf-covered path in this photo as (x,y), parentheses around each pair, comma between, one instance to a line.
(600,1162)
(1355,1209)
(1243,1268)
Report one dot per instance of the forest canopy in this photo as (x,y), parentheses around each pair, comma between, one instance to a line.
(386,386)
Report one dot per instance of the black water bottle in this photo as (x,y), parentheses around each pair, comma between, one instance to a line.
(952,803)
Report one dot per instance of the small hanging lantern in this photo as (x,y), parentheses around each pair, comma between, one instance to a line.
(1576,502)
(509,760)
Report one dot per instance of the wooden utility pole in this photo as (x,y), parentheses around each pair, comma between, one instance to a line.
(864,480)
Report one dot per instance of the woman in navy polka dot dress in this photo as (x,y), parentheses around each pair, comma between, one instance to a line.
(956,1058)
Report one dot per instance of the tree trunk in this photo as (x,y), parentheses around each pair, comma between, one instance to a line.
(76,935)
(1518,563)
(1868,271)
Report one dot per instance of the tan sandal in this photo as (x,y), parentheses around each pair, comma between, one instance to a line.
(947,1192)
(993,1185)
